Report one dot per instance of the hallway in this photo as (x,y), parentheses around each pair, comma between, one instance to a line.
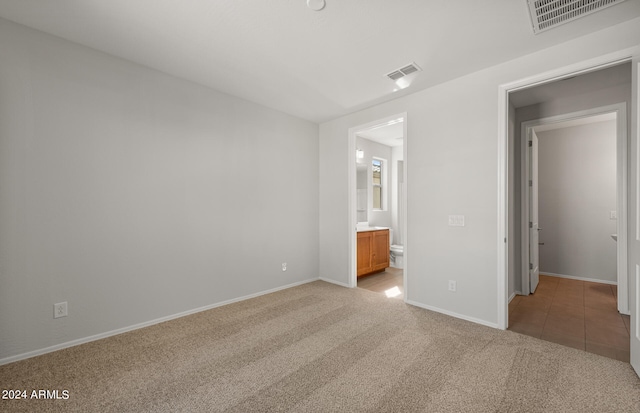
(573,313)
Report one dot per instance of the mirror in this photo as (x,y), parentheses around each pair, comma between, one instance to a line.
(361,186)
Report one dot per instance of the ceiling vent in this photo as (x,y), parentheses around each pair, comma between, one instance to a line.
(547,14)
(403,71)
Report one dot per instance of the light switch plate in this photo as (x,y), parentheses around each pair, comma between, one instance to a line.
(456,220)
(613,215)
(453,286)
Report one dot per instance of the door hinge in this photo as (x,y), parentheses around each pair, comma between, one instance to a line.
(530,224)
(530,144)
(530,182)
(530,266)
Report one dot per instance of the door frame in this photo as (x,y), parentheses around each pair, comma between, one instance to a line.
(526,170)
(352,197)
(504,213)
(620,109)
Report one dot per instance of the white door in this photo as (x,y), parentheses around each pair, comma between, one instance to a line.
(633,309)
(534,226)
(634,270)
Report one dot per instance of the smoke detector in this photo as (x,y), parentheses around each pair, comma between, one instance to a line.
(316,5)
(547,14)
(404,75)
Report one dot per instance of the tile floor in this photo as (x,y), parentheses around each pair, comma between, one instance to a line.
(573,313)
(384,281)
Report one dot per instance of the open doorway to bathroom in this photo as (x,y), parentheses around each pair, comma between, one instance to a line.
(379,193)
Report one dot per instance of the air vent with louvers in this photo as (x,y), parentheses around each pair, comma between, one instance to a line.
(546,14)
(402,72)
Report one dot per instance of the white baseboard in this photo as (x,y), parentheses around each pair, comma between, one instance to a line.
(335,282)
(100,336)
(452,314)
(513,295)
(572,277)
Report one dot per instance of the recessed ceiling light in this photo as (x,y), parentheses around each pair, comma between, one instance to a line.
(316,5)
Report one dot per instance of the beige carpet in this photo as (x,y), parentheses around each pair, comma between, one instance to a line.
(323,348)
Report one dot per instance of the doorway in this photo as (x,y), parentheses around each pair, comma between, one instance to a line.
(569,96)
(587,171)
(377,194)
(572,179)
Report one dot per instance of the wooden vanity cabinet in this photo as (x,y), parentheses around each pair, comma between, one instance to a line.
(373,251)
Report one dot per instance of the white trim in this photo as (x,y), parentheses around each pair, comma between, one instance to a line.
(335,282)
(352,202)
(635,135)
(622,200)
(573,277)
(352,195)
(405,233)
(597,63)
(525,171)
(503,208)
(452,314)
(100,336)
(637,308)
(634,307)
(581,68)
(621,192)
(513,295)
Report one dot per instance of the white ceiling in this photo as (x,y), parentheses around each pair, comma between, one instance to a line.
(386,134)
(315,65)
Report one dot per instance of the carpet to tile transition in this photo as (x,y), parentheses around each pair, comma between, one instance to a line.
(322,348)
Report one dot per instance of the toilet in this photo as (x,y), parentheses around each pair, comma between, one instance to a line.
(396,252)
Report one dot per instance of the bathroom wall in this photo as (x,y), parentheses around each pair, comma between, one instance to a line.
(362,186)
(134,196)
(378,218)
(397,154)
(577,192)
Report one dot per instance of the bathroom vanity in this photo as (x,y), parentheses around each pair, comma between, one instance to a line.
(373,250)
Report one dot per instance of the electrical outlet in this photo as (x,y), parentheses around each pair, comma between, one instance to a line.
(452,286)
(284,266)
(456,220)
(60,310)
(613,215)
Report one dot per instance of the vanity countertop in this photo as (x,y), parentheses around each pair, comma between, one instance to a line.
(364,229)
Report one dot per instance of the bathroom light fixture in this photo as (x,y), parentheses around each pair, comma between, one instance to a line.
(359,154)
(316,5)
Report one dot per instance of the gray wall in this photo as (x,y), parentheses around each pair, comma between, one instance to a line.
(577,190)
(397,154)
(134,195)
